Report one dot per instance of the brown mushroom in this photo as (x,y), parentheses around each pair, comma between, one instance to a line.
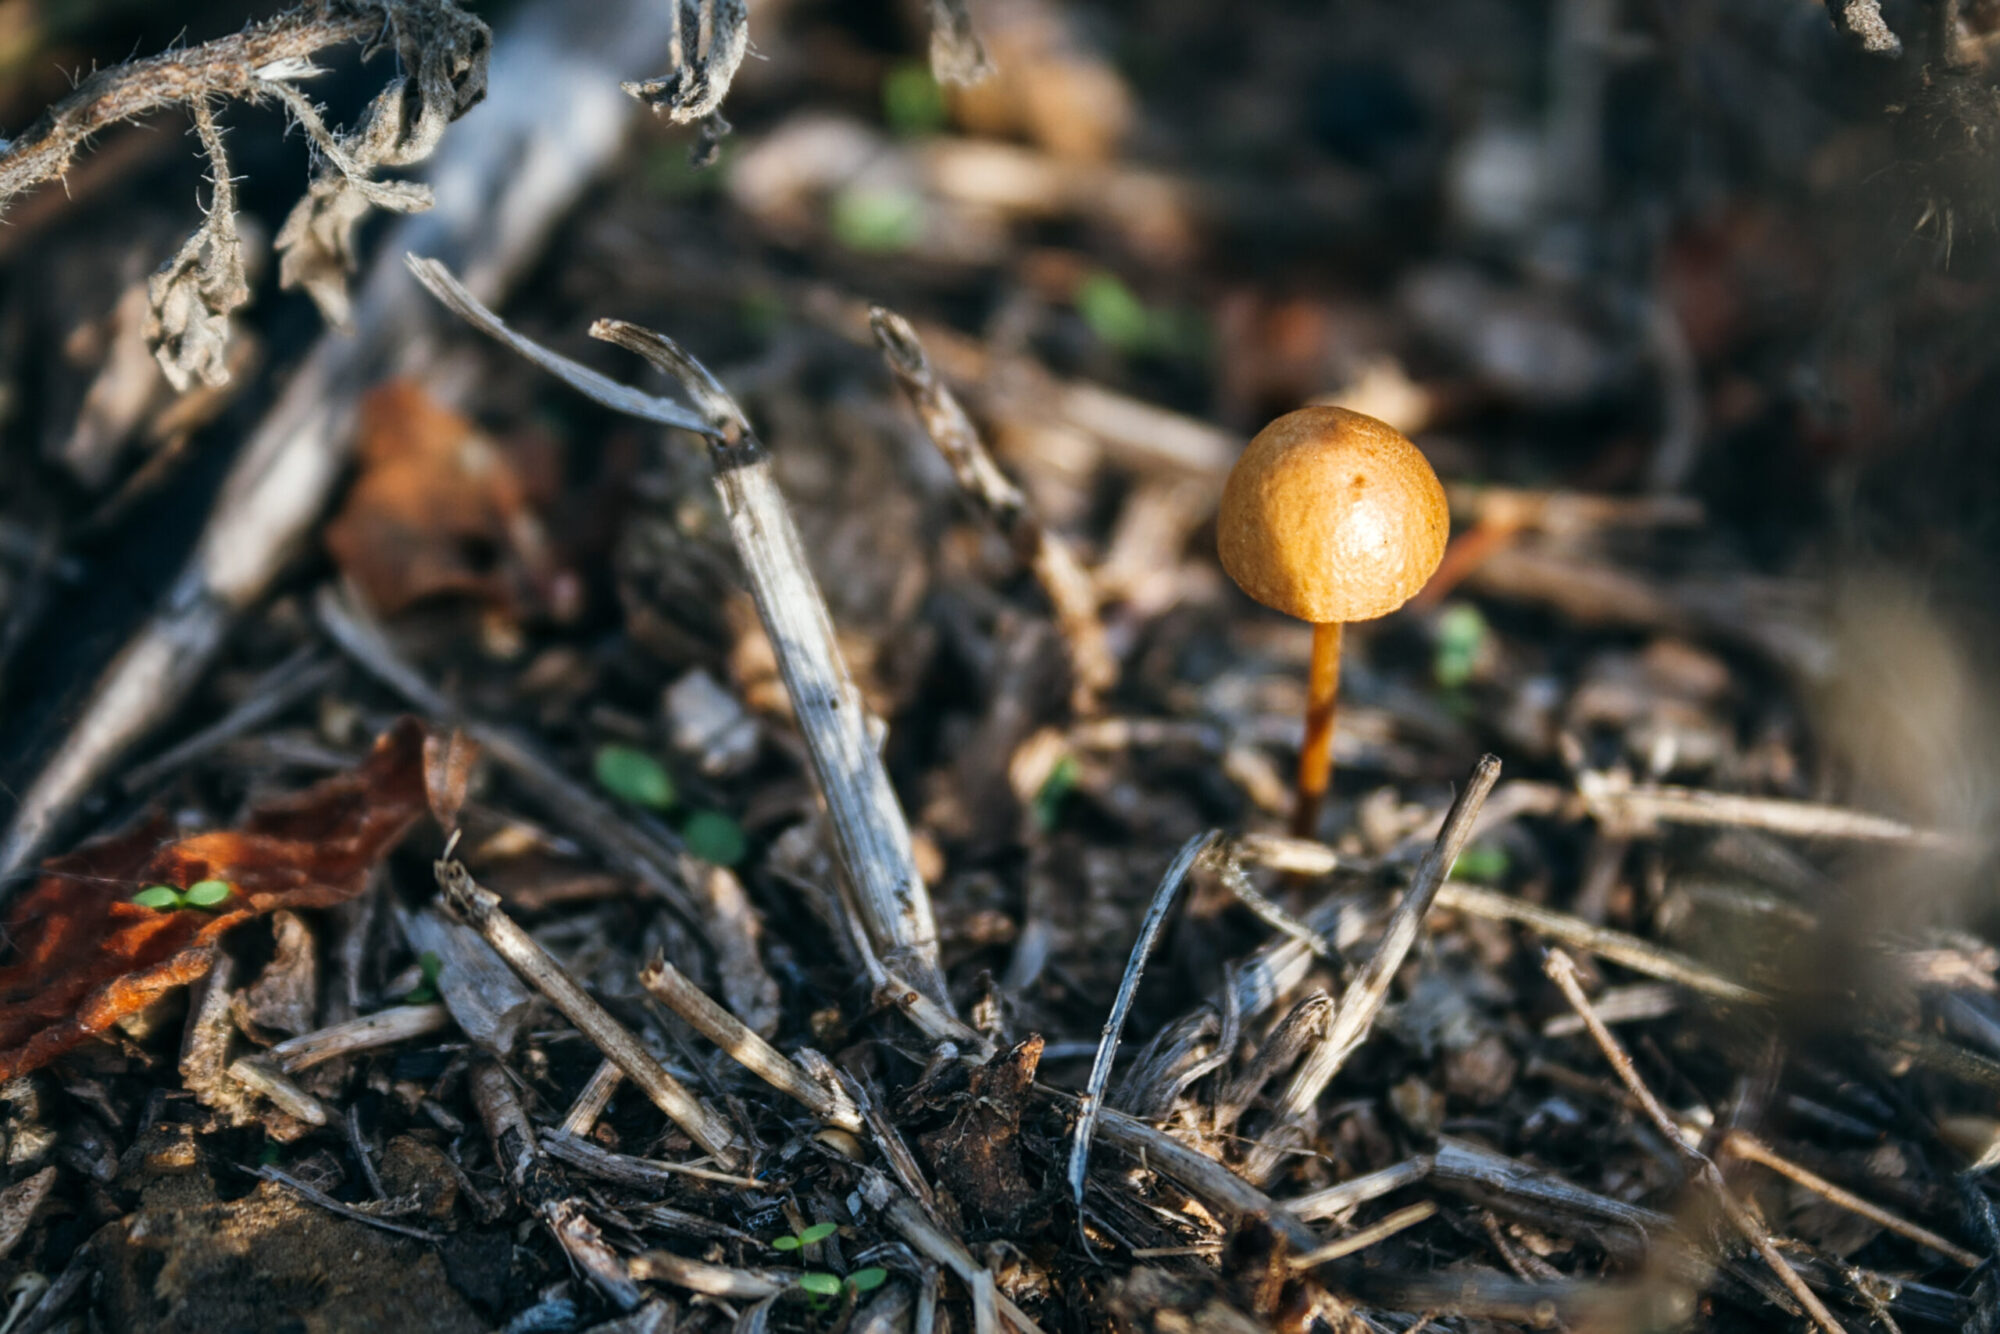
(1329,516)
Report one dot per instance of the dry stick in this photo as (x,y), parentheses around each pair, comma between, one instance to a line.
(230,67)
(1562,972)
(1209,1181)
(869,829)
(1642,807)
(1367,1236)
(671,987)
(1741,1144)
(1339,1199)
(553,117)
(596,1096)
(299,677)
(384,1028)
(1091,1102)
(319,1197)
(626,1170)
(1063,579)
(870,832)
(1364,996)
(480,907)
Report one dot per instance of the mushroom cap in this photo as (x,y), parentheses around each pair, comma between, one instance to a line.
(1331,516)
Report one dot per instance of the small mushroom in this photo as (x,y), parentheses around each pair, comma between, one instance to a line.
(1329,516)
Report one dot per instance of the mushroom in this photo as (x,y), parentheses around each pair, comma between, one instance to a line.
(1329,516)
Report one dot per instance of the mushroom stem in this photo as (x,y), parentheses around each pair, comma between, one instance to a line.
(1316,754)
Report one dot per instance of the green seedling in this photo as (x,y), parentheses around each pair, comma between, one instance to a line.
(1461,638)
(714,837)
(1055,789)
(818,1232)
(207,893)
(633,776)
(877,220)
(1483,863)
(425,991)
(912,101)
(1118,317)
(201,894)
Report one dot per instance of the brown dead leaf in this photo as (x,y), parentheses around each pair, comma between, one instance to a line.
(978,1156)
(83,956)
(448,762)
(438,510)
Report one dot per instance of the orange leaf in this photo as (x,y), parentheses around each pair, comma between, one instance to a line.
(83,956)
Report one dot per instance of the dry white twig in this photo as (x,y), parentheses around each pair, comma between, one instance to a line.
(384,1028)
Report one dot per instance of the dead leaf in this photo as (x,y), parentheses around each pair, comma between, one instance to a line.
(84,956)
(438,509)
(448,762)
(978,1156)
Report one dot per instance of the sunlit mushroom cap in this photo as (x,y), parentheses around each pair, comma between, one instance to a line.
(1331,516)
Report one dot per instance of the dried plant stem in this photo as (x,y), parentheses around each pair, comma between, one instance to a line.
(1364,996)
(1316,751)
(1063,579)
(1368,1236)
(1339,1199)
(1090,1103)
(384,1028)
(1562,972)
(869,829)
(313,1195)
(596,1096)
(229,67)
(1207,1180)
(671,987)
(1741,1144)
(480,907)
(1643,807)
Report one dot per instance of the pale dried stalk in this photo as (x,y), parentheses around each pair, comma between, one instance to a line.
(671,987)
(870,832)
(869,829)
(1067,584)
(623,1168)
(1348,1194)
(1090,1103)
(1643,807)
(552,119)
(1209,1181)
(1368,1236)
(1741,1144)
(1364,996)
(384,1028)
(1562,972)
(594,1098)
(484,998)
(480,907)
(266,1080)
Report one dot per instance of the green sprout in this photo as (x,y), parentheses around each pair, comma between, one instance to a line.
(207,893)
(880,220)
(714,837)
(1054,790)
(201,894)
(426,991)
(912,102)
(818,1232)
(1117,316)
(1461,636)
(633,776)
(1482,862)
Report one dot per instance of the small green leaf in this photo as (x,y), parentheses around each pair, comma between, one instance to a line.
(786,1244)
(426,991)
(271,1154)
(1055,788)
(818,1232)
(1484,862)
(631,775)
(912,102)
(877,219)
(819,1284)
(208,893)
(163,897)
(867,1280)
(1461,635)
(714,837)
(1113,313)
